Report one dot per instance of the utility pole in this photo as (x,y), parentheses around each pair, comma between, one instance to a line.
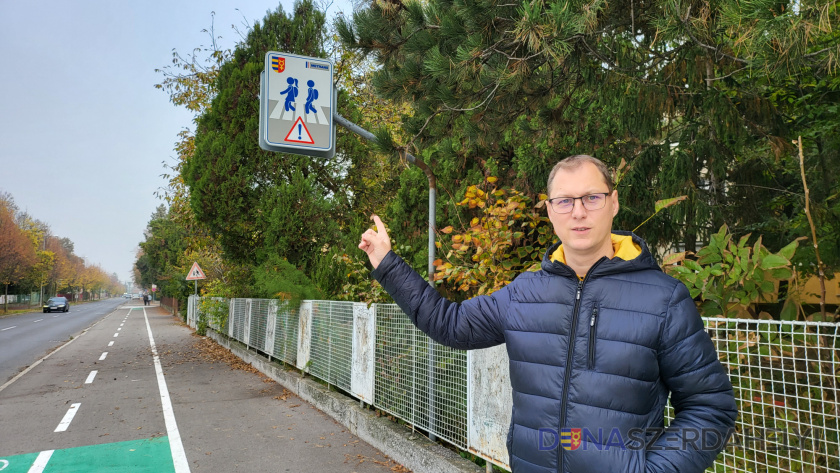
(41,296)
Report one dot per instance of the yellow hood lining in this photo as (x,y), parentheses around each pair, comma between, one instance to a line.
(623,246)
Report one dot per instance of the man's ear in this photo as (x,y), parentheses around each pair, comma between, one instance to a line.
(614,198)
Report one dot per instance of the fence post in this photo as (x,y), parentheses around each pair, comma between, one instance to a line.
(270,327)
(305,335)
(330,345)
(191,311)
(231,317)
(246,334)
(363,351)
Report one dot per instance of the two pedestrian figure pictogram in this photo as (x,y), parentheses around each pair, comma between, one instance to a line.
(291,93)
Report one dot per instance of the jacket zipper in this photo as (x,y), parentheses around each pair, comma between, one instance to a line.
(592,322)
(570,360)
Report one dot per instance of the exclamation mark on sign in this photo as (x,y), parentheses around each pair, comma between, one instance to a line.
(299,133)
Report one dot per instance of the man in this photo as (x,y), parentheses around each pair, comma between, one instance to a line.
(598,340)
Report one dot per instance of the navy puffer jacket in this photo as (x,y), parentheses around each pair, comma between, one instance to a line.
(601,355)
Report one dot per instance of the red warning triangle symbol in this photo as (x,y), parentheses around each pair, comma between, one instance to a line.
(299,133)
(195,273)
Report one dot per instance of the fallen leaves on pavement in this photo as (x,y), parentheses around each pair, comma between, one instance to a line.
(394,466)
(209,351)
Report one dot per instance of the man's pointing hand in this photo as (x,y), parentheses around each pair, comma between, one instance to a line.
(376,244)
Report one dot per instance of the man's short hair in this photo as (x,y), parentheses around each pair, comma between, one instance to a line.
(574,162)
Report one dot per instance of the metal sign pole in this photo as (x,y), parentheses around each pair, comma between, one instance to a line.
(432,205)
(429,175)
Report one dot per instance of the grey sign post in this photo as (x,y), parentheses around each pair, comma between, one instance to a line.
(296,105)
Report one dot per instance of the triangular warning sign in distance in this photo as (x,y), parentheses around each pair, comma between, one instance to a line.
(299,133)
(195,273)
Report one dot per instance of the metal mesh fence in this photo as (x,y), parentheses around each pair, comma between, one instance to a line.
(28,299)
(331,352)
(214,311)
(785,379)
(259,322)
(286,332)
(403,370)
(450,394)
(400,385)
(784,374)
(236,322)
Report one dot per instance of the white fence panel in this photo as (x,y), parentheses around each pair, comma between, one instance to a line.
(246,328)
(270,327)
(192,314)
(489,403)
(304,342)
(364,351)
(231,318)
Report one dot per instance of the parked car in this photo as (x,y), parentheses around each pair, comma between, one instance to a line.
(57,303)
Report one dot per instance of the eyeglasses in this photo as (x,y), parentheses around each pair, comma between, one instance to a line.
(564,205)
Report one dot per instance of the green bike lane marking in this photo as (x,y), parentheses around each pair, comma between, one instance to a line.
(135,456)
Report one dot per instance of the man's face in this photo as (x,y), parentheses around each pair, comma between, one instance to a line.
(583,232)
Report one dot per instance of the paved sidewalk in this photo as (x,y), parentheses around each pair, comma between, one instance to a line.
(234,418)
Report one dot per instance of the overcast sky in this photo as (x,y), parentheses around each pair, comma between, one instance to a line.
(83,131)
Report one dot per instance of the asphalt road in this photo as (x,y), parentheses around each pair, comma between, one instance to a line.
(26,338)
(137,391)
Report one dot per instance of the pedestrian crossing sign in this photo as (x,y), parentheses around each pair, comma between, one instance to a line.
(297,100)
(195,273)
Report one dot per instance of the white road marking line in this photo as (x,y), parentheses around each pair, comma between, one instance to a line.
(65,422)
(8,328)
(117,334)
(91,376)
(41,461)
(104,354)
(36,321)
(119,328)
(122,324)
(111,343)
(179,457)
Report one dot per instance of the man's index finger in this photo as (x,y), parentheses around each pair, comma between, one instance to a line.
(380,227)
